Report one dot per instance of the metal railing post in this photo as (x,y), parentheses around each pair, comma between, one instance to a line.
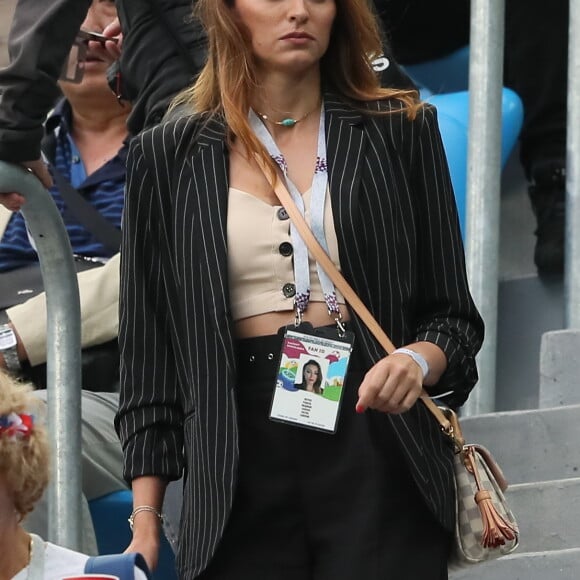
(572,269)
(63,352)
(483,184)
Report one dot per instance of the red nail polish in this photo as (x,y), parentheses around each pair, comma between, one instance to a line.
(360,409)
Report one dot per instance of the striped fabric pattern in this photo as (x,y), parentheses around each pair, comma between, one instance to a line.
(399,245)
(104,189)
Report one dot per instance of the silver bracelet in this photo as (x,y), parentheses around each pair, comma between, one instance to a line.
(418,358)
(144,508)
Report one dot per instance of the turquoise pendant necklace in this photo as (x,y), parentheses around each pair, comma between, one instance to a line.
(288,122)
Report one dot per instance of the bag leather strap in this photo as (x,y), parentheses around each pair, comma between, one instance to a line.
(339,281)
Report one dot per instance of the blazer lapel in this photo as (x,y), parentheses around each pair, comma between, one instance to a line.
(345,150)
(346,143)
(209,163)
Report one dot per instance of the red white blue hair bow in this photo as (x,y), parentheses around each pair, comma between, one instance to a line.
(16,425)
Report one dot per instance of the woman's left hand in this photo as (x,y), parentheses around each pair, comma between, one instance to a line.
(392,385)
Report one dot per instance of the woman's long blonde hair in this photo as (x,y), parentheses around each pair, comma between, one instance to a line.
(227,81)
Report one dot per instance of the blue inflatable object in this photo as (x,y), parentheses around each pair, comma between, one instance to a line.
(453,115)
(444,82)
(110,514)
(456,106)
(120,565)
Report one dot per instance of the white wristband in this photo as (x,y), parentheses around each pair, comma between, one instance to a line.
(418,358)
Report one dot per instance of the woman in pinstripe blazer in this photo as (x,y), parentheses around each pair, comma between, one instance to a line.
(262,499)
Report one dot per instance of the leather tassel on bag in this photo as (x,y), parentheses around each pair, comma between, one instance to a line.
(486,527)
(496,529)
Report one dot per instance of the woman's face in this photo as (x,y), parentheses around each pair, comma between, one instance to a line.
(311,373)
(287,35)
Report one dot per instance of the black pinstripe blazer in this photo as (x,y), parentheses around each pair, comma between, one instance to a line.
(399,246)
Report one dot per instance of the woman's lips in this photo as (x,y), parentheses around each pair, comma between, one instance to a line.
(298,36)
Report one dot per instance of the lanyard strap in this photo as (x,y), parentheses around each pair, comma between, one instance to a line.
(351,296)
(317,201)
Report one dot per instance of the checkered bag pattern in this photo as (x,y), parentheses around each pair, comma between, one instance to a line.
(469,527)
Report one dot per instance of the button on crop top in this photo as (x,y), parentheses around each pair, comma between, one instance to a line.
(260,265)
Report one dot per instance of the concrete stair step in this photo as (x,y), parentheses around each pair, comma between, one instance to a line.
(528,307)
(554,565)
(559,368)
(531,445)
(547,514)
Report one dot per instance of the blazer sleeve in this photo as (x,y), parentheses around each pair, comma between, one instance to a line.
(150,417)
(151,78)
(446,315)
(99,298)
(40,38)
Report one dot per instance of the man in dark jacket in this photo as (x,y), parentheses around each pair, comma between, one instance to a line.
(163,50)
(536,41)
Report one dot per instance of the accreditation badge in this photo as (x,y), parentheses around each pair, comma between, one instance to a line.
(311,377)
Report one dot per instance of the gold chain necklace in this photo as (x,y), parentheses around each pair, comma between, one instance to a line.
(288,122)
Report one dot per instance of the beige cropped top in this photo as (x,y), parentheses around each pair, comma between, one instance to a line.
(261,274)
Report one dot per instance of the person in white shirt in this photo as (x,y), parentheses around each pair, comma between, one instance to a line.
(24,475)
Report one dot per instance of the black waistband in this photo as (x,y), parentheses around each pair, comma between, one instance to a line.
(259,357)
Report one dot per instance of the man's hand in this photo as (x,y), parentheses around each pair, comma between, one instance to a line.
(12,201)
(38,167)
(110,51)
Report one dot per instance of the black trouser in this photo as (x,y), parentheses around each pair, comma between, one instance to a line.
(314,506)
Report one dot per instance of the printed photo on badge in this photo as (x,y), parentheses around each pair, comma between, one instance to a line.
(311,374)
(310,380)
